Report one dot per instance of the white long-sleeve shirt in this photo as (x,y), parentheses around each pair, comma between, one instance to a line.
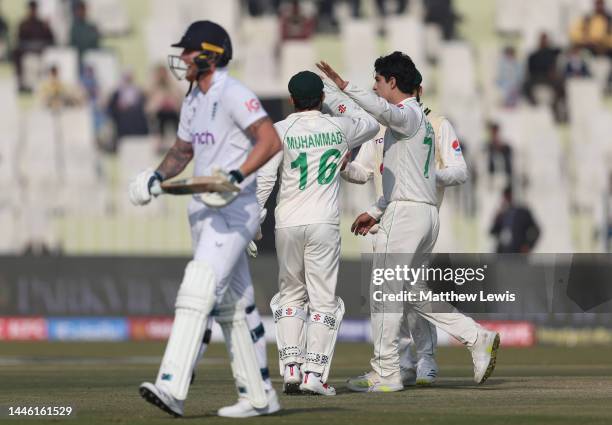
(409,149)
(314,145)
(451,169)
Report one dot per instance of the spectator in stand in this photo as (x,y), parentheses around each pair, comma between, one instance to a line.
(55,94)
(84,35)
(89,81)
(542,69)
(509,77)
(164,99)
(295,25)
(442,13)
(499,153)
(514,227)
(594,31)
(33,36)
(127,110)
(575,64)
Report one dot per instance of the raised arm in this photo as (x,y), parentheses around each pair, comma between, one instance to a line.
(402,120)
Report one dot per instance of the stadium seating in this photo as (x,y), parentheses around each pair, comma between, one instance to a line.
(136,153)
(508,15)
(407,34)
(259,62)
(55,12)
(359,51)
(32,70)
(542,16)
(110,16)
(81,166)
(296,56)
(67,63)
(227,16)
(106,69)
(160,33)
(9,130)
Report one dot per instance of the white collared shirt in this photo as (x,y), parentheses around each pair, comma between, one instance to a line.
(215,124)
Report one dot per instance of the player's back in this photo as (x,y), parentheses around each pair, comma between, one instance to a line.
(313,147)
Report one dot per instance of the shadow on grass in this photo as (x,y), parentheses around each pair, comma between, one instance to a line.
(283,412)
(440,385)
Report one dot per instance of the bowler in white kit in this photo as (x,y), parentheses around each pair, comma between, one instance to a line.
(408,216)
(451,170)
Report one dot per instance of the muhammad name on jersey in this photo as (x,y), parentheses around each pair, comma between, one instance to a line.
(316,140)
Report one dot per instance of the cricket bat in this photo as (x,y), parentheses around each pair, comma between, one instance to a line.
(192,185)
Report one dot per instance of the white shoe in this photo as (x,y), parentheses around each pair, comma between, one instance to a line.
(372,382)
(161,399)
(409,376)
(484,353)
(292,378)
(244,408)
(426,371)
(312,385)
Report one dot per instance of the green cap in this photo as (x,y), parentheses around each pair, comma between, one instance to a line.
(306,85)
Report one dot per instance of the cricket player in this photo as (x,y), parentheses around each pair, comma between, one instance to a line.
(408,207)
(306,310)
(225,130)
(451,170)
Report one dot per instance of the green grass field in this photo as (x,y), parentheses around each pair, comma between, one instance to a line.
(100,381)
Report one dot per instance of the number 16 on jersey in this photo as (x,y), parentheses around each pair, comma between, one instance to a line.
(328,165)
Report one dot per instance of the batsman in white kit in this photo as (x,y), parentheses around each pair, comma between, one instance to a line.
(451,170)
(408,216)
(228,134)
(306,310)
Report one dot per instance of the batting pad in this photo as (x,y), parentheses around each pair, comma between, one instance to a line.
(243,357)
(290,333)
(194,301)
(321,337)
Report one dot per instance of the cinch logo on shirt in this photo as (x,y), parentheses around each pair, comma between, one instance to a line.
(252,105)
(205,138)
(316,140)
(456,146)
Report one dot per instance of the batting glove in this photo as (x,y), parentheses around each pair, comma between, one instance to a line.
(140,188)
(221,199)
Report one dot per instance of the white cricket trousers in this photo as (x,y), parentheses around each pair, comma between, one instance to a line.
(219,237)
(409,228)
(308,260)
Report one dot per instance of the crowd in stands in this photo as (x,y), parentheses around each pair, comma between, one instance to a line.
(522,78)
(551,66)
(129,109)
(298,24)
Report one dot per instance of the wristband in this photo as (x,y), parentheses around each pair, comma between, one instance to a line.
(236,176)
